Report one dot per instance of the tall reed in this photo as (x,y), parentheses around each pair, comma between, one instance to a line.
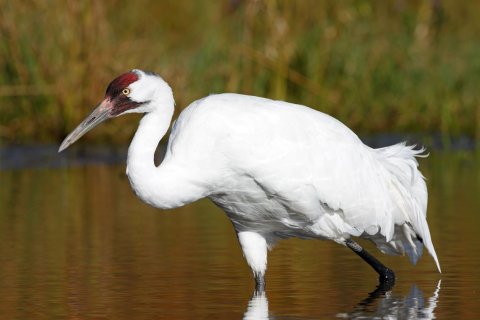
(389,66)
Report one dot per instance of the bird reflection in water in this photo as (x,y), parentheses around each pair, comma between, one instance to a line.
(380,303)
(257,307)
(384,304)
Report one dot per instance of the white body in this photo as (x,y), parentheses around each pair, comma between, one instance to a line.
(279,170)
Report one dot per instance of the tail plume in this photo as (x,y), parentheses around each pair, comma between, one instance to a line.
(409,195)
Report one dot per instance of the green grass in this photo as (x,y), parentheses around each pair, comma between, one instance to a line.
(384,66)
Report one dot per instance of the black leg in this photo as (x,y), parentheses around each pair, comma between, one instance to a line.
(259,283)
(386,275)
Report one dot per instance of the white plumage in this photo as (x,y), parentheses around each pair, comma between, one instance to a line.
(277,169)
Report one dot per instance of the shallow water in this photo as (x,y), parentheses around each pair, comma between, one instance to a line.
(75,242)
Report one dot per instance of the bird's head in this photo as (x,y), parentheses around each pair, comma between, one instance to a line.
(131,92)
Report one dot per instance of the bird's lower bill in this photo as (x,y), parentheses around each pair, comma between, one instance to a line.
(100,114)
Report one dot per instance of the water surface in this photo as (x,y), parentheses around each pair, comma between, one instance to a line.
(75,242)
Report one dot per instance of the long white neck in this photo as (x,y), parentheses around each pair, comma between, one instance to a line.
(151,130)
(141,168)
(166,186)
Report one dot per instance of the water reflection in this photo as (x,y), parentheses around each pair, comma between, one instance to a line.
(76,243)
(257,308)
(383,303)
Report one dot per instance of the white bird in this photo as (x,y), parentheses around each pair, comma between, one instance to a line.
(277,169)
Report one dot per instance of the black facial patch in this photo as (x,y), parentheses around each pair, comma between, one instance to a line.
(122,103)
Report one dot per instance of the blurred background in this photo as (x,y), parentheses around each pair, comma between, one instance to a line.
(76,243)
(387,66)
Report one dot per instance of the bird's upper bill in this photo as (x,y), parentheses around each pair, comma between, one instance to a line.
(116,102)
(101,113)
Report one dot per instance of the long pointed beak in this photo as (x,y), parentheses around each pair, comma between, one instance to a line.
(100,114)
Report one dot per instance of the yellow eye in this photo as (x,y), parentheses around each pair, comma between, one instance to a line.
(126,91)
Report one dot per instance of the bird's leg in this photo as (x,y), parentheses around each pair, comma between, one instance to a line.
(259,283)
(386,275)
(254,247)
